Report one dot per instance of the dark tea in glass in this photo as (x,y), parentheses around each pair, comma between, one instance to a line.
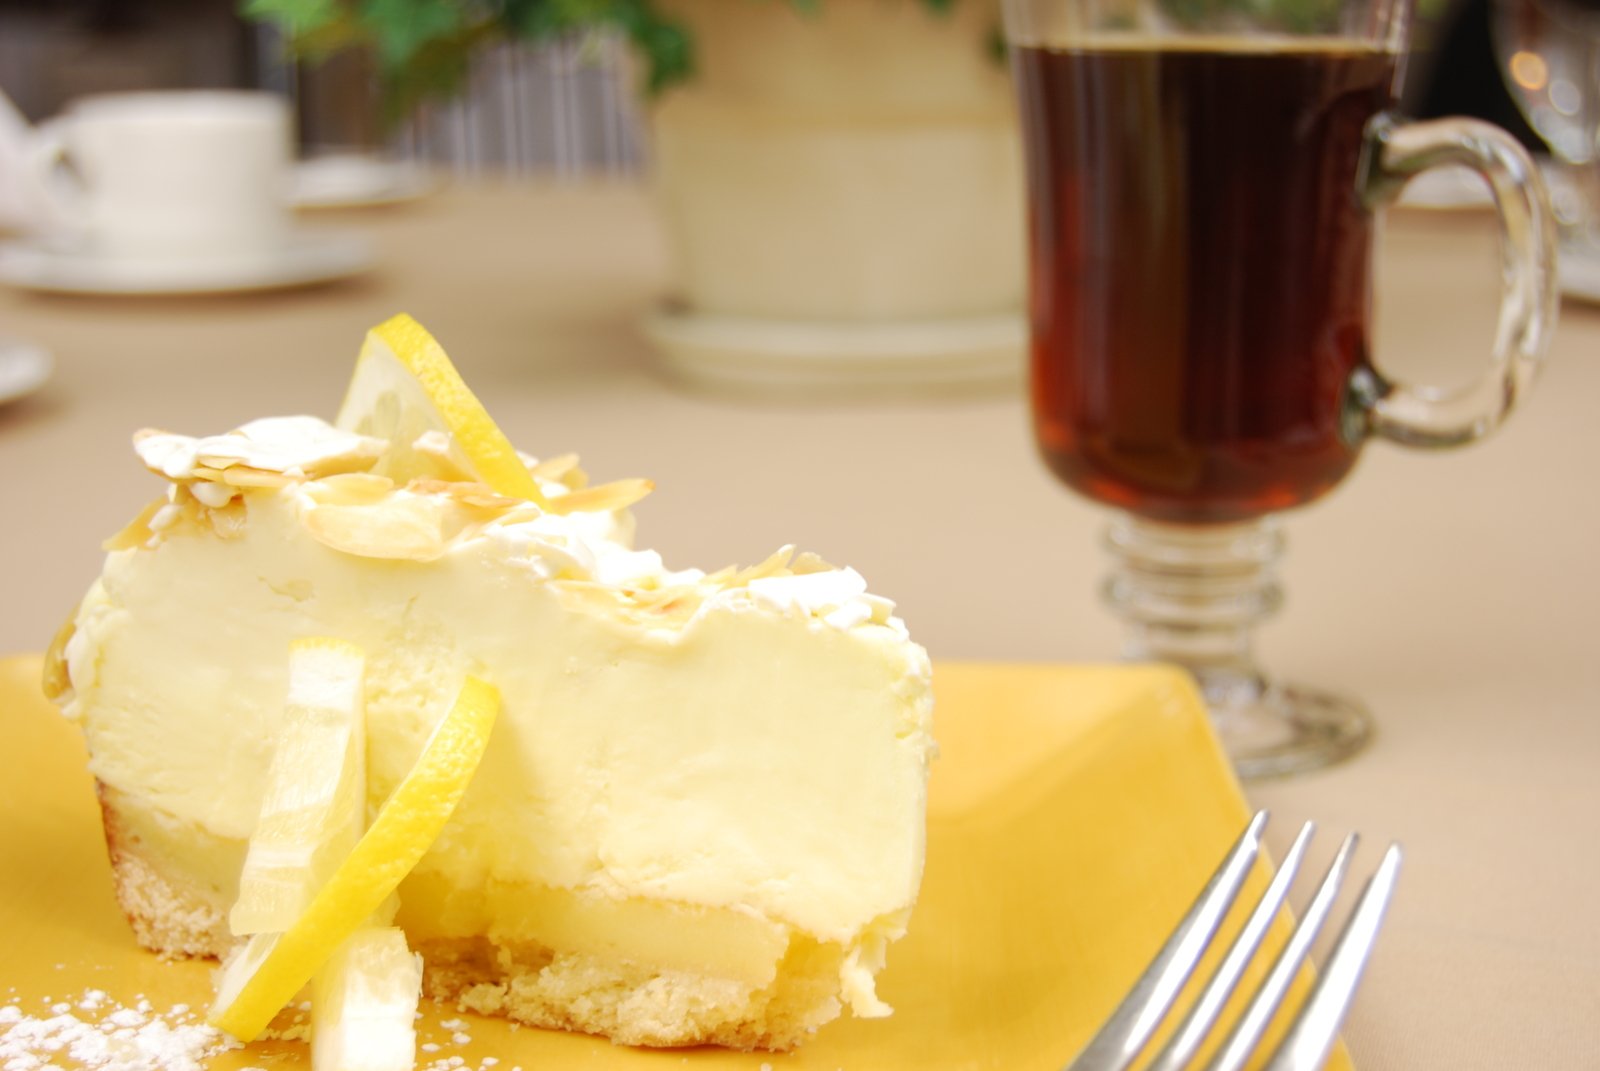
(1202,182)
(1201,292)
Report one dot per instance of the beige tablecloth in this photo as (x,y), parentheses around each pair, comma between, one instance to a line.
(1452,591)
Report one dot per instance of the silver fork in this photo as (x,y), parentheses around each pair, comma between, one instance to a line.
(1310,1036)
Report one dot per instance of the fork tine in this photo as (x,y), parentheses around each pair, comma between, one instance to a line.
(1186,1040)
(1118,1042)
(1253,1023)
(1310,1037)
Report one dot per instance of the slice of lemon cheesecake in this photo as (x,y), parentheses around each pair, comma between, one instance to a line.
(699,817)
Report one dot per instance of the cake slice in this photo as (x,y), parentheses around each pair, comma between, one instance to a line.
(700,815)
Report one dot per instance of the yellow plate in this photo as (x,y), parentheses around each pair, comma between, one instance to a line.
(1074,813)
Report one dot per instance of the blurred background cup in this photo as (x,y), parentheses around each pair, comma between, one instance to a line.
(1549,55)
(178,175)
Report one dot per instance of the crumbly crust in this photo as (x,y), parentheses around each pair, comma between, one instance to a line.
(167,917)
(630,1003)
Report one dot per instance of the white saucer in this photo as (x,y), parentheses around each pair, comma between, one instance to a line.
(23,369)
(841,359)
(1447,189)
(1453,188)
(307,257)
(354,180)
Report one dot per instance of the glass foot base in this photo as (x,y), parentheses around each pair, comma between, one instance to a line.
(1192,595)
(1279,729)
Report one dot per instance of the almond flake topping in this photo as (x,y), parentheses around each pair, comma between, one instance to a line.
(403,526)
(289,446)
(579,541)
(562,468)
(606,498)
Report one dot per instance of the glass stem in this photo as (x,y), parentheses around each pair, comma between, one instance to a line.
(1193,595)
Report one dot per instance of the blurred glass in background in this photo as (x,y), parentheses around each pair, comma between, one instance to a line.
(1549,53)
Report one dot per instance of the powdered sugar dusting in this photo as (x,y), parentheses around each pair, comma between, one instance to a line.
(95,1031)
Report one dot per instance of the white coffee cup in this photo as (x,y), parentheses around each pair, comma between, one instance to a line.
(172,175)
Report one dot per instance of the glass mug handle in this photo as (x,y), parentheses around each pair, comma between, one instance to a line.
(1429,417)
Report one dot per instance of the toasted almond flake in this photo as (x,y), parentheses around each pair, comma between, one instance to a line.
(340,465)
(241,476)
(428,485)
(408,529)
(559,469)
(171,458)
(478,495)
(809,562)
(777,564)
(244,476)
(300,446)
(137,531)
(351,489)
(55,680)
(174,444)
(605,498)
(181,508)
(482,497)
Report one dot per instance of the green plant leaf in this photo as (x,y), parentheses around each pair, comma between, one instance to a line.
(403,28)
(294,16)
(670,51)
(662,43)
(425,47)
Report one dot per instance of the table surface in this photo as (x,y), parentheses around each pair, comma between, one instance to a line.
(1449,590)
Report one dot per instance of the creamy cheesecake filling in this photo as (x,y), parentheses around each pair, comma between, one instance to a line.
(705,772)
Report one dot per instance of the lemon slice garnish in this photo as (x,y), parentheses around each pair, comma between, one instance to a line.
(405,386)
(272,968)
(315,804)
(364,1005)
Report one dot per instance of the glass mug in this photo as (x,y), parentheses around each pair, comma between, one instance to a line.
(1202,182)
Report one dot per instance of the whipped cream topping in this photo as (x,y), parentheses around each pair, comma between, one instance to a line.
(550,547)
(573,547)
(811,593)
(839,597)
(634,566)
